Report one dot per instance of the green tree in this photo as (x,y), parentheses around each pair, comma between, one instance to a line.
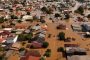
(42,58)
(88,16)
(44,9)
(80,10)
(60,49)
(21,37)
(28,13)
(48,53)
(14,17)
(29,36)
(61,36)
(2,19)
(21,49)
(57,15)
(45,45)
(80,0)
(19,21)
(67,16)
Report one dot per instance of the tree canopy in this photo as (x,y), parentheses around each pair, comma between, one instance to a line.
(61,36)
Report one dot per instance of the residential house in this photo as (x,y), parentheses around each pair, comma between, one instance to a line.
(76,27)
(31,55)
(86,26)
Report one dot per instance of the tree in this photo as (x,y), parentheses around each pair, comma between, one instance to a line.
(44,9)
(21,37)
(80,10)
(29,36)
(88,16)
(45,44)
(61,36)
(42,58)
(21,49)
(48,53)
(1,57)
(60,49)
(14,17)
(2,19)
(80,0)
(19,21)
(23,43)
(57,15)
(67,16)
(12,24)
(28,13)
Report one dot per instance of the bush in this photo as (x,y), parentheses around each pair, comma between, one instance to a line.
(61,36)
(60,49)
(45,44)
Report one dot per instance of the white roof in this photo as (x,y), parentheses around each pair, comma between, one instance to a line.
(27,17)
(7,29)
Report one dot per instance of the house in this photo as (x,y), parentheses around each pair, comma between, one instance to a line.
(26,17)
(21,26)
(38,41)
(74,52)
(31,55)
(16,46)
(76,27)
(8,29)
(78,57)
(86,26)
(37,27)
(11,39)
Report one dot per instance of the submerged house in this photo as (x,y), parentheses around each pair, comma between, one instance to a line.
(74,52)
(86,26)
(31,55)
